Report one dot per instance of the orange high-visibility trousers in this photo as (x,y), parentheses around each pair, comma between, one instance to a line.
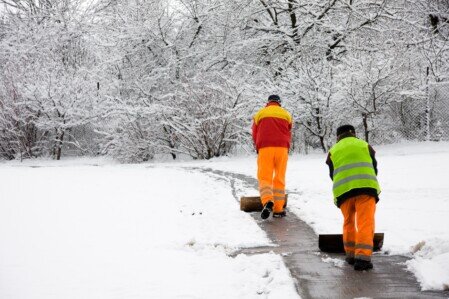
(272,165)
(358,226)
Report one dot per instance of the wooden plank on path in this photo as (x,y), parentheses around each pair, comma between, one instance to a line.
(253,203)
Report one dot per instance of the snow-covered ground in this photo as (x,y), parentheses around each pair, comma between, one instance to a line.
(413,210)
(111,231)
(95,229)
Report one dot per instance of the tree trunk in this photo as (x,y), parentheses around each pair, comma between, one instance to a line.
(321,136)
(427,106)
(58,146)
(170,141)
(365,126)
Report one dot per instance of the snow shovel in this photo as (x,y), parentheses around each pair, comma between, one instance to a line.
(334,243)
(253,204)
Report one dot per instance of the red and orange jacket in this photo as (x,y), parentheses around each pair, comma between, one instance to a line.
(272,127)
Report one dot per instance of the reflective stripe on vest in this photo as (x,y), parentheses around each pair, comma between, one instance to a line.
(353,178)
(353,166)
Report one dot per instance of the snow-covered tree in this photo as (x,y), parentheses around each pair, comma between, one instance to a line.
(135,79)
(47,63)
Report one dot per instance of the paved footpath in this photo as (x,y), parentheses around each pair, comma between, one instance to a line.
(315,278)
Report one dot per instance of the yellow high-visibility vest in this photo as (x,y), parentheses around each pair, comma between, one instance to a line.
(353,167)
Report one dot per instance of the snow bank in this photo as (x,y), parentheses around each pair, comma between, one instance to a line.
(430,263)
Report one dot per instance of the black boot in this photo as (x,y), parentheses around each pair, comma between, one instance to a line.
(267,209)
(361,265)
(350,260)
(280,214)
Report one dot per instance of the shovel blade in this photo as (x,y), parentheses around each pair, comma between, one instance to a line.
(333,243)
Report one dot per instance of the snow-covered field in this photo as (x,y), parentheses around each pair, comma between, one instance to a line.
(71,229)
(128,232)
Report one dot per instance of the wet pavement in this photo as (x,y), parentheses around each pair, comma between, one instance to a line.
(323,275)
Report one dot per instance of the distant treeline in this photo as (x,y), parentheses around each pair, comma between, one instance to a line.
(133,79)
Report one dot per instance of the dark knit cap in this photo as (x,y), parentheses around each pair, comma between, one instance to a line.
(274,98)
(345,129)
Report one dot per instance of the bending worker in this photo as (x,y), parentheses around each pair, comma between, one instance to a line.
(353,169)
(272,135)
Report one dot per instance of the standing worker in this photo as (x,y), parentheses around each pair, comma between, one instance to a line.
(272,135)
(353,169)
